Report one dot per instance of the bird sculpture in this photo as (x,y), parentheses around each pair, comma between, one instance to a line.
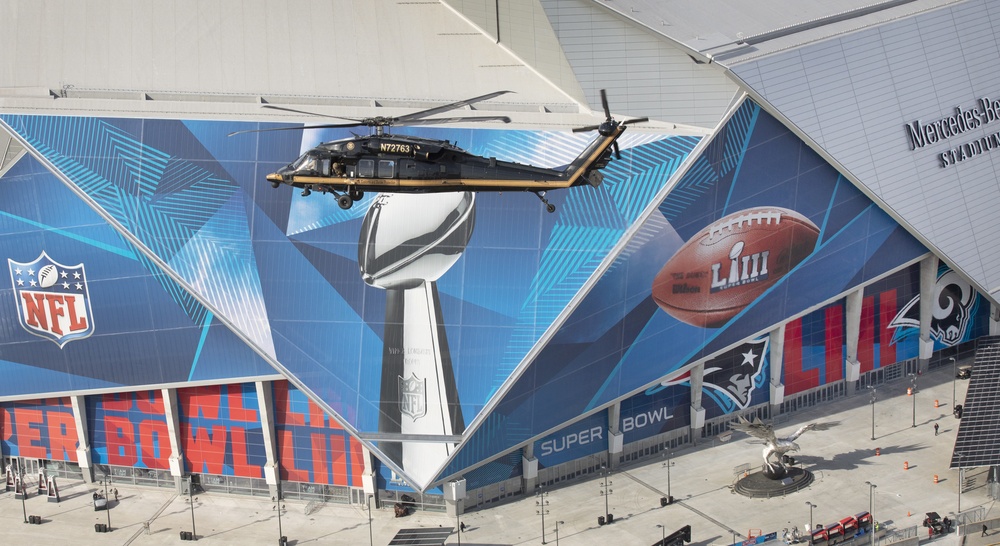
(775,447)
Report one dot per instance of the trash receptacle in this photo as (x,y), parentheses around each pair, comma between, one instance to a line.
(600,520)
(611,518)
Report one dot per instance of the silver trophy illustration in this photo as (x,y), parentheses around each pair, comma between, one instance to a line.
(407,242)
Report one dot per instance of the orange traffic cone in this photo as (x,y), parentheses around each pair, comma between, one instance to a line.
(906,465)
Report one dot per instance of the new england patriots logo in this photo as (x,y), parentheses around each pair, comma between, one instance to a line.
(52,299)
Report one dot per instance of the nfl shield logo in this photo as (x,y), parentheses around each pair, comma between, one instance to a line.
(52,299)
(412,396)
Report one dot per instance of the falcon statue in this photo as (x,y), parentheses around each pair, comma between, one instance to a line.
(773,446)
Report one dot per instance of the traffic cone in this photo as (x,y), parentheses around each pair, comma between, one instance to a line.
(906,465)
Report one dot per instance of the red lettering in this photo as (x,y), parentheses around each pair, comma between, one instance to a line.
(149,402)
(119,401)
(201,401)
(76,322)
(241,464)
(357,462)
(866,335)
(237,411)
(834,316)
(29,438)
(321,470)
(317,417)
(55,311)
(338,453)
(62,435)
(34,310)
(288,470)
(886,311)
(796,379)
(283,399)
(154,444)
(5,424)
(120,441)
(204,451)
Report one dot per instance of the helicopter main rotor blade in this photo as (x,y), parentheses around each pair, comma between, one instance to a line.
(586,129)
(303,128)
(308,113)
(604,103)
(636,120)
(437,121)
(447,107)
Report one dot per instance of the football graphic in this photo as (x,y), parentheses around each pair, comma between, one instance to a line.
(730,263)
(48,276)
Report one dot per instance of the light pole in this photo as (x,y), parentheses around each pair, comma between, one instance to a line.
(607,492)
(874,392)
(191,499)
(663,534)
(954,377)
(557,530)
(811,506)
(871,508)
(913,394)
(959,455)
(668,464)
(107,502)
(24,491)
(279,507)
(541,503)
(371,536)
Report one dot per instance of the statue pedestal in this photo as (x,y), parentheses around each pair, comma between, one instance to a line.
(758,484)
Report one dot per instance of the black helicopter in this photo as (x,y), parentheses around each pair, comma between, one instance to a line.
(384,162)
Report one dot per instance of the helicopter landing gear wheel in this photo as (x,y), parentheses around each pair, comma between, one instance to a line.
(356,194)
(275,184)
(345,201)
(548,206)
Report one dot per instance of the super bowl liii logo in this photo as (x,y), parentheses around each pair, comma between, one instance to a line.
(52,299)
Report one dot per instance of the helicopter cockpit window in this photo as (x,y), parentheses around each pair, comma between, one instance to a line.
(366,168)
(324,167)
(306,163)
(386,168)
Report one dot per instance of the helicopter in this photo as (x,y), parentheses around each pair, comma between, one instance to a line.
(383,162)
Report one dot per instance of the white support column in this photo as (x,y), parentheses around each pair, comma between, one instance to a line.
(994,319)
(616,439)
(368,477)
(170,410)
(776,349)
(529,470)
(855,301)
(83,438)
(454,497)
(265,401)
(697,412)
(928,279)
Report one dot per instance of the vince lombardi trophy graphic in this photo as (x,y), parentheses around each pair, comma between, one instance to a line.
(407,242)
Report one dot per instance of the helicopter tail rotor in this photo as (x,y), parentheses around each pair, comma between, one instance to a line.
(609,124)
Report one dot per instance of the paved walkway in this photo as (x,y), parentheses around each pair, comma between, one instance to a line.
(842,459)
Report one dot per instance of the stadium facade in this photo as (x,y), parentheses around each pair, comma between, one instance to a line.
(811,211)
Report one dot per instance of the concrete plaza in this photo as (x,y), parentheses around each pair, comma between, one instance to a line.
(909,468)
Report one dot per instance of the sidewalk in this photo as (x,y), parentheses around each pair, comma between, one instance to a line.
(842,460)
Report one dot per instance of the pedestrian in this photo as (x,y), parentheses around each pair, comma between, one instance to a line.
(985,528)
(935,429)
(462,526)
(116,491)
